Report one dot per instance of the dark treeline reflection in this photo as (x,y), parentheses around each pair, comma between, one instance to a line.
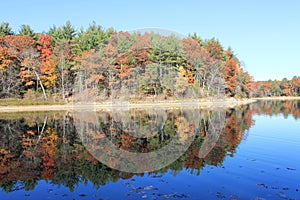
(47,146)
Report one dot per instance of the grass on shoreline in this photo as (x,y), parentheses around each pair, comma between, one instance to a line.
(28,102)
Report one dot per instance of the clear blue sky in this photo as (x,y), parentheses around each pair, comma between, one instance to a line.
(264,34)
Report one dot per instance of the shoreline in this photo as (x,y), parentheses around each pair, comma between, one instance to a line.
(277,98)
(188,104)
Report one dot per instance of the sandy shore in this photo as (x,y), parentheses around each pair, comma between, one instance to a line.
(192,104)
(187,104)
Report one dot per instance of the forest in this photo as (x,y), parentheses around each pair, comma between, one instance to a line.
(64,61)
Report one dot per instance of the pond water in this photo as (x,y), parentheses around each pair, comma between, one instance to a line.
(251,152)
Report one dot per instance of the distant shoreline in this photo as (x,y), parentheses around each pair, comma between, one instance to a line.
(188,104)
(277,98)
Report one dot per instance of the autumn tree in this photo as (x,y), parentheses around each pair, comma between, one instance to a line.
(286,87)
(296,85)
(192,51)
(10,83)
(141,42)
(231,71)
(23,58)
(200,41)
(210,75)
(214,48)
(124,41)
(149,82)
(28,71)
(181,84)
(63,46)
(115,70)
(266,88)
(5,57)
(126,73)
(109,53)
(47,67)
(64,60)
(89,75)
(244,86)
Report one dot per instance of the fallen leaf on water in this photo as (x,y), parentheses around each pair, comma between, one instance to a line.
(291,169)
(261,185)
(150,187)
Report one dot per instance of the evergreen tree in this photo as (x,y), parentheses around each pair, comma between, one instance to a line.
(5,29)
(26,30)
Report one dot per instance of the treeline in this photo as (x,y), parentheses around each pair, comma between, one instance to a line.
(32,63)
(64,61)
(271,88)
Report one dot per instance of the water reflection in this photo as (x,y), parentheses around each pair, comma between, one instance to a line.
(51,146)
(136,141)
(277,107)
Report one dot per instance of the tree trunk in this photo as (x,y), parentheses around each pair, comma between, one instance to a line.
(42,86)
(62,63)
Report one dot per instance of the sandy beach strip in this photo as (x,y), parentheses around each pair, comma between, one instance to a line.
(202,104)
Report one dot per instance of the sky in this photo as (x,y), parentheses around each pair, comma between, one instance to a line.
(264,34)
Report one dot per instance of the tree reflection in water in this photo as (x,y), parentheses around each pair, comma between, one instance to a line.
(52,146)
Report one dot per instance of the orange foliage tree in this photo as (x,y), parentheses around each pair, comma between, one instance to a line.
(215,49)
(47,67)
(231,70)
(17,64)
(296,85)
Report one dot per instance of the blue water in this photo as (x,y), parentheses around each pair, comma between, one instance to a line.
(265,165)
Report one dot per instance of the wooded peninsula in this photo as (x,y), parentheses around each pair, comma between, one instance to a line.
(105,64)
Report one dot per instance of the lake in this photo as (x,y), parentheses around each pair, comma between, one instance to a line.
(250,152)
